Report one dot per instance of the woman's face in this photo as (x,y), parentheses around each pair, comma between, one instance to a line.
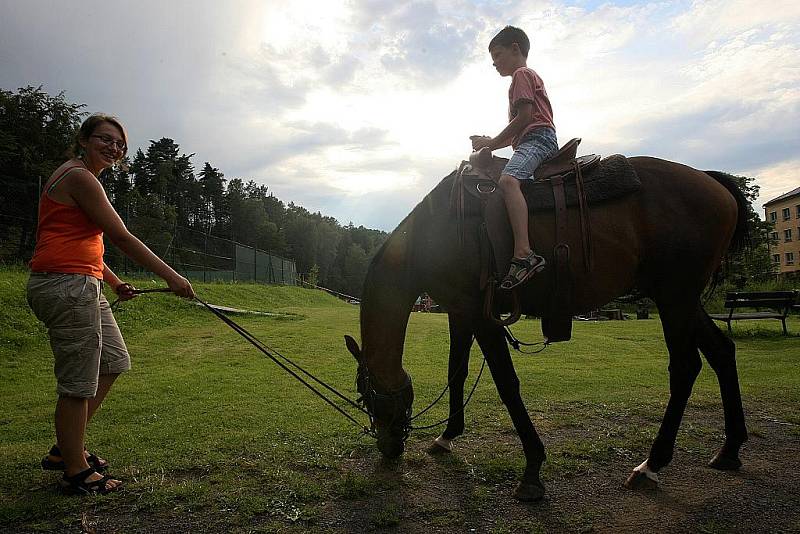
(104,146)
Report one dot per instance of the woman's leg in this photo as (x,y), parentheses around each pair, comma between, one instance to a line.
(104,384)
(70,419)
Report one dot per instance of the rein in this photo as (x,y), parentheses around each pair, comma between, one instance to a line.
(140,291)
(276,357)
(463,407)
(367,402)
(273,355)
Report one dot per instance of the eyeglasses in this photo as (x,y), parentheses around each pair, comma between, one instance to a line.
(110,141)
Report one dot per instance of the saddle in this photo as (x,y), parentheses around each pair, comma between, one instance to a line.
(563,163)
(558,182)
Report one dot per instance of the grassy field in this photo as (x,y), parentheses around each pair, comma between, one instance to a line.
(209,435)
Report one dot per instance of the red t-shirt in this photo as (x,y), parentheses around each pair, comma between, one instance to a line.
(527,86)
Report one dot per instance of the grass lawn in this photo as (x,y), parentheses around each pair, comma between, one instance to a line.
(210,435)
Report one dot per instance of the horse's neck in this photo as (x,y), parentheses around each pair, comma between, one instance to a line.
(389,294)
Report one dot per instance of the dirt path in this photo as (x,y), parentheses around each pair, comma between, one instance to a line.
(423,494)
(589,457)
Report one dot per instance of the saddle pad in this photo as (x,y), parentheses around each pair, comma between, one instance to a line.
(613,177)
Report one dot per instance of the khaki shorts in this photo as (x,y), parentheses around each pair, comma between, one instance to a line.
(84,336)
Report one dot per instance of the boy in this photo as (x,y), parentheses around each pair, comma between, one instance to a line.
(531,134)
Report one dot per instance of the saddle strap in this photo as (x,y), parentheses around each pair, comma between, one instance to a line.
(488,306)
(457,200)
(561,251)
(486,256)
(583,211)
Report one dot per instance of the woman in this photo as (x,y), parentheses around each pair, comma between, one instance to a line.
(64,291)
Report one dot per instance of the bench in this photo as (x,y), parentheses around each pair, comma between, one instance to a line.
(779,302)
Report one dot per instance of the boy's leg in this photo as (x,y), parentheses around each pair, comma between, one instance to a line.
(518,215)
(525,262)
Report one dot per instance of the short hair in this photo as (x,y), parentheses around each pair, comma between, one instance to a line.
(90,125)
(510,35)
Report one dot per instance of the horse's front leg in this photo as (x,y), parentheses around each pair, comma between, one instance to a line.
(457,368)
(493,344)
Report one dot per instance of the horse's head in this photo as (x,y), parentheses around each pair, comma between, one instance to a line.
(389,411)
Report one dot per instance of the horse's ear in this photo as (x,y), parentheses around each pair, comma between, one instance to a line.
(352,346)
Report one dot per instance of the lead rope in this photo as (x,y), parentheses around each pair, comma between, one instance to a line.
(140,291)
(273,355)
(516,343)
(463,407)
(268,351)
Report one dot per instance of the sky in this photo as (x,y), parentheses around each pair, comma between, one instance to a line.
(357,108)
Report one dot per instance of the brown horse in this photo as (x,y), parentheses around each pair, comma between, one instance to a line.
(666,240)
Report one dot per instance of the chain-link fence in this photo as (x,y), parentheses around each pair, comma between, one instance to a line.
(197,255)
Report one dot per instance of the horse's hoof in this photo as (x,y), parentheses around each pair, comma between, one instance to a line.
(639,481)
(437,450)
(725,463)
(529,491)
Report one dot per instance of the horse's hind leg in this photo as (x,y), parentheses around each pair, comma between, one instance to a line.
(679,326)
(457,368)
(720,352)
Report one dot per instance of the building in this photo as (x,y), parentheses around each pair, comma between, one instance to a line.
(784,214)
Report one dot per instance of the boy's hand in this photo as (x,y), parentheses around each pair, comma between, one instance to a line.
(480,141)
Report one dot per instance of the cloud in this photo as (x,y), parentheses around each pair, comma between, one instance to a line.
(360,107)
(774,180)
(419,42)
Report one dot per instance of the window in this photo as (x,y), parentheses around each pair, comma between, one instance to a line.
(787,235)
(773,216)
(773,236)
(776,258)
(798,211)
(790,258)
(787,214)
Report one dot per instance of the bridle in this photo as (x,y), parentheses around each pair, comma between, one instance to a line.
(397,404)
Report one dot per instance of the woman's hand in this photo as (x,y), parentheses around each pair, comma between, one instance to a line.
(180,286)
(124,291)
(480,141)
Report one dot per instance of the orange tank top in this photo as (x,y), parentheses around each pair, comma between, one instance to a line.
(67,241)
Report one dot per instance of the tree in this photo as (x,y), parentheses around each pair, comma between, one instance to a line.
(212,189)
(156,193)
(36,131)
(163,171)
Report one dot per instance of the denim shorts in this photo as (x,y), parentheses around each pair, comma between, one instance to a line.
(84,336)
(535,147)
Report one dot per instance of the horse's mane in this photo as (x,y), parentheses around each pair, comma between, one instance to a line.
(432,198)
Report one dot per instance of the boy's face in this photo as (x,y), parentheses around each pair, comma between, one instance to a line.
(506,59)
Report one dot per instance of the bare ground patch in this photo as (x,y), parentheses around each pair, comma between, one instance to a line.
(470,490)
(590,453)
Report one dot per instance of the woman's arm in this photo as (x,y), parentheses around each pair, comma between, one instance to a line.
(90,196)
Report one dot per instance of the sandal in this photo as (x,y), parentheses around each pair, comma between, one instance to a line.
(78,485)
(94,461)
(521,270)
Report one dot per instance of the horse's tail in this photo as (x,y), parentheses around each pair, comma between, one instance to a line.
(741,236)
